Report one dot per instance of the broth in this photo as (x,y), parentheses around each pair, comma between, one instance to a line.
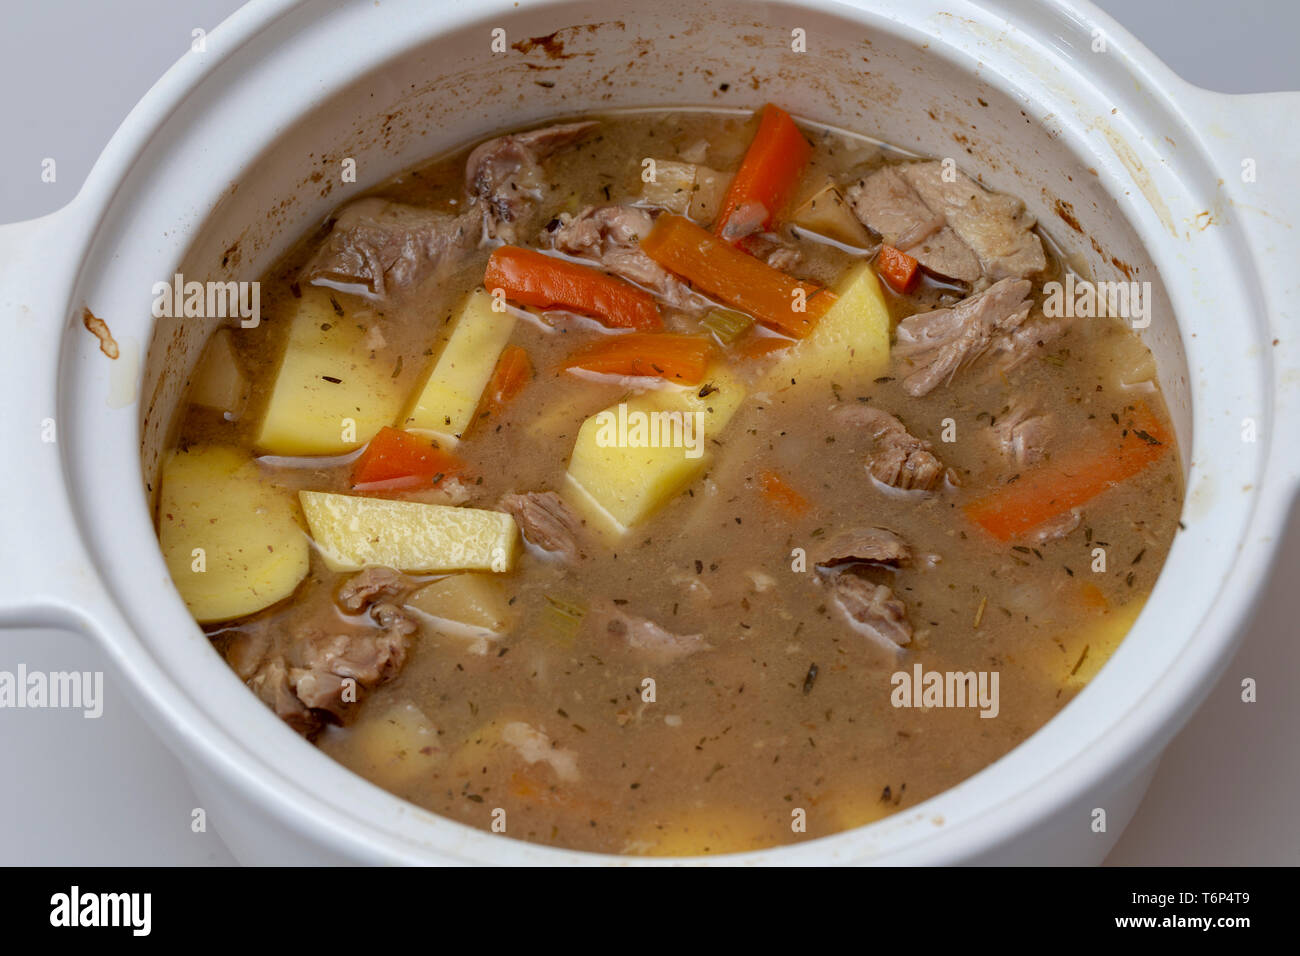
(568,720)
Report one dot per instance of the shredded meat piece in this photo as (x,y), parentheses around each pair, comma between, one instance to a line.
(898,459)
(534,746)
(271,684)
(871,609)
(886,204)
(1058,527)
(997,227)
(643,634)
(940,343)
(363,588)
(863,546)
(504,176)
(775,250)
(301,668)
(1022,434)
(385,247)
(1010,351)
(546,521)
(611,236)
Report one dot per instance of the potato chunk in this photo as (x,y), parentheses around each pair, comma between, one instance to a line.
(394,747)
(354,532)
(687,189)
(329,395)
(849,345)
(618,478)
(703,831)
(229,537)
(825,213)
(467,604)
(444,405)
(218,383)
(1087,648)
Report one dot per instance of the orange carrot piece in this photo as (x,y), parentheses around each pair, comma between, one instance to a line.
(778,491)
(790,306)
(768,174)
(395,460)
(897,268)
(677,358)
(1072,479)
(514,370)
(1092,598)
(546,282)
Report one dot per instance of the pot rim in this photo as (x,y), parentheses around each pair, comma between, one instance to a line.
(198,733)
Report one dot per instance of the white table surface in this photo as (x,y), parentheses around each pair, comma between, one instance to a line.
(84,792)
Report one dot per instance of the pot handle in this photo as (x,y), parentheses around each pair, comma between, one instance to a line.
(46,576)
(1254,140)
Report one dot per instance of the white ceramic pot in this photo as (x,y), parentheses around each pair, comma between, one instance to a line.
(238,148)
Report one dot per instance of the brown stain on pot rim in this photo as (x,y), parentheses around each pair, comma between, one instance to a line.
(99,329)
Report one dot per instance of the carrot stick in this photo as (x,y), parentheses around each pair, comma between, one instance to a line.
(514,370)
(1072,479)
(678,358)
(767,176)
(776,490)
(399,461)
(897,268)
(546,282)
(738,279)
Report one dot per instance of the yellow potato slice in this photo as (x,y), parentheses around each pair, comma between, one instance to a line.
(466,604)
(330,396)
(393,748)
(444,405)
(229,537)
(353,532)
(849,345)
(619,485)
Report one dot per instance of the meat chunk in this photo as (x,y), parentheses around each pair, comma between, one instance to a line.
(1059,527)
(319,664)
(863,546)
(1022,434)
(611,235)
(997,227)
(534,746)
(775,250)
(885,203)
(380,248)
(384,247)
(365,587)
(325,660)
(270,682)
(898,458)
(504,176)
(547,522)
(940,343)
(1010,351)
(643,634)
(871,609)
